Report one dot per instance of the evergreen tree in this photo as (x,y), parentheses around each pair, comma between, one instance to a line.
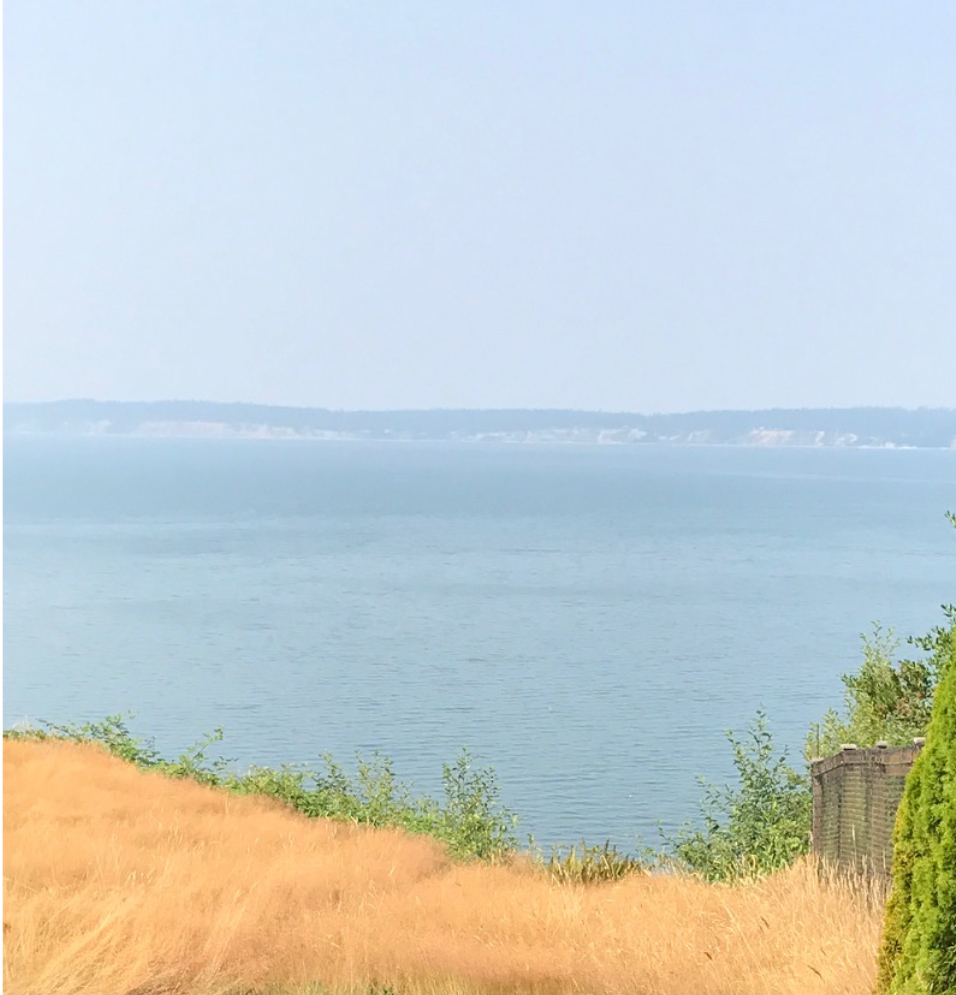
(918,956)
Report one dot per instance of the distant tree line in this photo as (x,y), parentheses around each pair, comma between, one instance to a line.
(934,428)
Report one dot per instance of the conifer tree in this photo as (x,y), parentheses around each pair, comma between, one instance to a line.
(918,955)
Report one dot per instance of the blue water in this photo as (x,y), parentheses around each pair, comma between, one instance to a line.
(589,620)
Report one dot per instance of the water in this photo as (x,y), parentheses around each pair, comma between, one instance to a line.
(589,620)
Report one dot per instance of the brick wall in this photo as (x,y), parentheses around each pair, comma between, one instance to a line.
(856,793)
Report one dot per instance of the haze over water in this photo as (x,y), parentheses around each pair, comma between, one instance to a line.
(589,620)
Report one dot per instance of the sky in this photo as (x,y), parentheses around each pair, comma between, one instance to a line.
(616,205)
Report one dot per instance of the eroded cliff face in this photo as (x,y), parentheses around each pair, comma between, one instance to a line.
(851,427)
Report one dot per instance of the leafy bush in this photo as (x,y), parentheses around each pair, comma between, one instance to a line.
(111,732)
(886,699)
(918,955)
(469,820)
(472,822)
(760,826)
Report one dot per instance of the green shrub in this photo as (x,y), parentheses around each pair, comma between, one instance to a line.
(469,820)
(761,826)
(114,734)
(918,954)
(886,699)
(472,822)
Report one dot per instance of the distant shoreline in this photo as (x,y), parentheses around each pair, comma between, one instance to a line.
(465,441)
(858,428)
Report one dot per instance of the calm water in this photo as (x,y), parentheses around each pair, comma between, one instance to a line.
(588,620)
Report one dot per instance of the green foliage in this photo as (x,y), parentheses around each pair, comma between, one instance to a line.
(293,786)
(469,819)
(112,733)
(195,763)
(590,864)
(472,821)
(938,644)
(885,699)
(758,827)
(918,955)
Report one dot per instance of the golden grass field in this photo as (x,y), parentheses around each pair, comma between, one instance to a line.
(119,881)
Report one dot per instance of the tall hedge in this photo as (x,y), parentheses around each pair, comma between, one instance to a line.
(918,956)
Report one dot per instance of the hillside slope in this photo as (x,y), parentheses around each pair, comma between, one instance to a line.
(120,881)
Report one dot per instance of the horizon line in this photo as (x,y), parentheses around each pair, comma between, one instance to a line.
(478,410)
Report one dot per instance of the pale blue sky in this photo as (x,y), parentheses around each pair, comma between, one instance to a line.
(647,206)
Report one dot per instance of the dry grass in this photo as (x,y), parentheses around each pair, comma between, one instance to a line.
(117,881)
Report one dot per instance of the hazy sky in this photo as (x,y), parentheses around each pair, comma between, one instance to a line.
(648,206)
